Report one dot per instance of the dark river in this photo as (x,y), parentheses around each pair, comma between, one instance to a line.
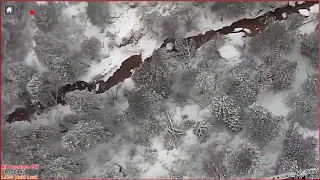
(255,25)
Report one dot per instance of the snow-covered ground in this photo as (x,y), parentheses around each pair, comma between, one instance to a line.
(273,102)
(165,159)
(127,23)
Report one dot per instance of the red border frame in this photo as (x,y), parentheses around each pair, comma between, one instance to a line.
(1,4)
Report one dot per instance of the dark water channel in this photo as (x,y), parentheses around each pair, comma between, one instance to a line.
(256,26)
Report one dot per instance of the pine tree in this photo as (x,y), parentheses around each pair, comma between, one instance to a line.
(82,102)
(263,126)
(242,159)
(226,111)
(85,135)
(298,153)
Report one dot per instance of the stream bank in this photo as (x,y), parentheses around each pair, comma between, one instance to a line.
(255,25)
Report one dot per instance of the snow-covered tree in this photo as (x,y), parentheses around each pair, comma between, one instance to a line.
(188,18)
(56,56)
(82,102)
(64,167)
(144,103)
(210,54)
(242,160)
(173,134)
(112,171)
(294,21)
(91,47)
(41,133)
(205,82)
(206,85)
(98,13)
(272,57)
(298,153)
(263,126)
(309,47)
(46,16)
(277,37)
(233,9)
(41,154)
(243,91)
(85,135)
(310,86)
(151,127)
(43,88)
(15,39)
(19,72)
(279,76)
(202,130)
(214,167)
(50,45)
(12,143)
(169,25)
(154,74)
(188,78)
(186,50)
(226,111)
(11,93)
(272,4)
(27,147)
(305,111)
(71,118)
(245,68)
(246,93)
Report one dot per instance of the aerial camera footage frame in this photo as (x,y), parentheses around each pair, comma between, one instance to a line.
(142,90)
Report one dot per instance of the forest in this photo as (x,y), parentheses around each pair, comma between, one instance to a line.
(240,104)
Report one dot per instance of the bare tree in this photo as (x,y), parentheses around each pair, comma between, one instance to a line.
(113,94)
(186,50)
(173,135)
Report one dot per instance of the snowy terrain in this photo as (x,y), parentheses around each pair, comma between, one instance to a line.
(127,24)
(273,102)
(155,160)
